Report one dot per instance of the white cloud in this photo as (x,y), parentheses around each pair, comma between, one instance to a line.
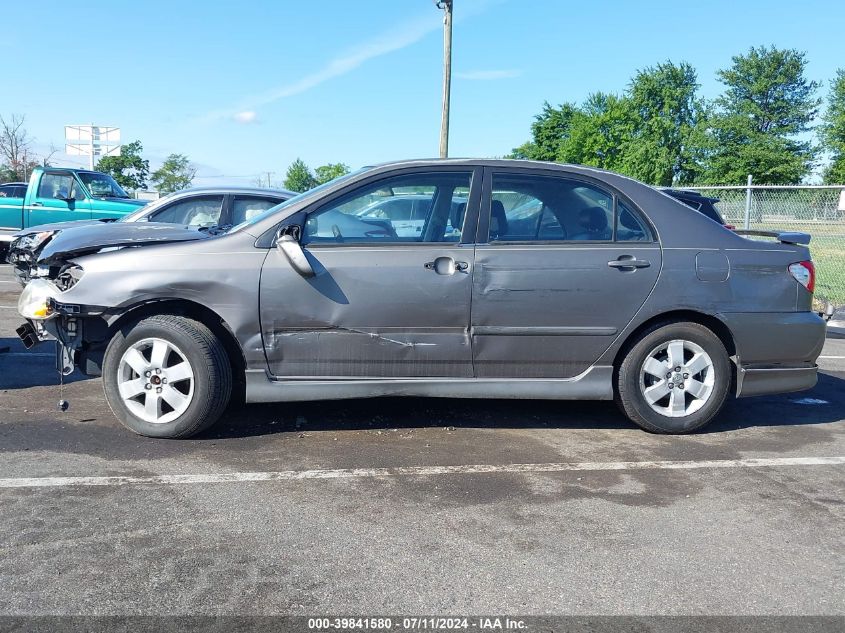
(393,40)
(396,38)
(488,75)
(245,116)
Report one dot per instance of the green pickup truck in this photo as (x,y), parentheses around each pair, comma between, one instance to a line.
(55,194)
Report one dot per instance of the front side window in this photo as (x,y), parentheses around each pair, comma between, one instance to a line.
(424,207)
(245,208)
(55,186)
(197,211)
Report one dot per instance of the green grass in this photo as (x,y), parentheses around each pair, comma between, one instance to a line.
(829,257)
(827,249)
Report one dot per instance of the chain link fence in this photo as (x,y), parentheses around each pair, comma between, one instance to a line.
(817,210)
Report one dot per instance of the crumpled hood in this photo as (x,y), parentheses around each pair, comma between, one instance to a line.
(61,226)
(84,240)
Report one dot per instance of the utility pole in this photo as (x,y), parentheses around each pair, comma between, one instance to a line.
(446,6)
(268,178)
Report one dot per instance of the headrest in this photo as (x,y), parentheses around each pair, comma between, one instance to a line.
(456,219)
(498,219)
(597,219)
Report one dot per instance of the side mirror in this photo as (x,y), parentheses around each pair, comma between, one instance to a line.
(288,244)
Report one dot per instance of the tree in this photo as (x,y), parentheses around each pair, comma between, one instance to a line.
(15,146)
(330,171)
(550,128)
(597,133)
(665,116)
(832,131)
(128,169)
(298,177)
(175,174)
(648,132)
(766,104)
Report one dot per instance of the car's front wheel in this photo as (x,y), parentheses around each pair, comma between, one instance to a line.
(674,379)
(167,376)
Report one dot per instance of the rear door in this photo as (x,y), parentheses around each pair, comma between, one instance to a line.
(382,304)
(562,266)
(58,198)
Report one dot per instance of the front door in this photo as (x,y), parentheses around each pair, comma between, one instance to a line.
(385,302)
(59,198)
(562,266)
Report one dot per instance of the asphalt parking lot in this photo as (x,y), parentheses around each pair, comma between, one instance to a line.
(417,506)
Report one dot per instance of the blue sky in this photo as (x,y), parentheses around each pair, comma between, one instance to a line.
(245,87)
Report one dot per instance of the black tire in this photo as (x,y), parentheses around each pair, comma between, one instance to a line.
(629,393)
(212,374)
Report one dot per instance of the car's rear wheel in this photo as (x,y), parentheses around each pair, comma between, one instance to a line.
(167,376)
(674,379)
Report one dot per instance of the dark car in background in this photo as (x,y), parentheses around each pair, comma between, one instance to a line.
(701,203)
(546,281)
(199,207)
(12,190)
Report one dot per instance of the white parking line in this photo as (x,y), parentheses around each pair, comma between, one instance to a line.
(410,471)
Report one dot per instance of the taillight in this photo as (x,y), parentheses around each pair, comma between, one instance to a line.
(804,273)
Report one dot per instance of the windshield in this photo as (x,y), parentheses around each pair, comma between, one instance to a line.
(296,199)
(102,185)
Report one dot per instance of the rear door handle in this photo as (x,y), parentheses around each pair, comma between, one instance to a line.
(628,262)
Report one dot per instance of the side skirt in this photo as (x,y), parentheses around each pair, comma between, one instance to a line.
(594,384)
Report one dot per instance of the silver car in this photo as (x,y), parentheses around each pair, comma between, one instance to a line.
(559,281)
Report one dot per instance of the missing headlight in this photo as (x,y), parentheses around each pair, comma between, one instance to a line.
(68,277)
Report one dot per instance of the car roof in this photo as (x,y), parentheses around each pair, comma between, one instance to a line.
(263,191)
(16,184)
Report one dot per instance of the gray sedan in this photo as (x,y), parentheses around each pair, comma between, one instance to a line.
(545,281)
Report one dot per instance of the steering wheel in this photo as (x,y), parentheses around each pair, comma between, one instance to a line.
(383,229)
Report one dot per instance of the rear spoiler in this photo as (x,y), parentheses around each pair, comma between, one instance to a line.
(787,237)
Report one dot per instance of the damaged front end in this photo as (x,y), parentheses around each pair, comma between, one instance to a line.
(81,330)
(23,255)
(48,318)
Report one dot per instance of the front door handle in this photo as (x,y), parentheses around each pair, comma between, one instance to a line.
(446,266)
(37,204)
(627,262)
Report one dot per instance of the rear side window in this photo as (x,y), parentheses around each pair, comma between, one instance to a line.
(630,227)
(529,207)
(542,208)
